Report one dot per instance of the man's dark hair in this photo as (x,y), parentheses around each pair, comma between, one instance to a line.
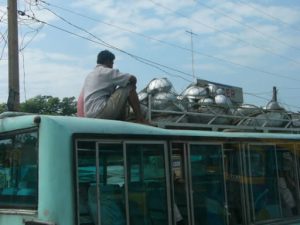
(105,56)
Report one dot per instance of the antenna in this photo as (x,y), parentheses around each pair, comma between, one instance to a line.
(192,51)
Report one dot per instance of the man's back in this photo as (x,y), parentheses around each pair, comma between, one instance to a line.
(98,87)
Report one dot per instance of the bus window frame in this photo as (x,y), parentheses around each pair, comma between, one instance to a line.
(275,144)
(216,143)
(167,174)
(297,148)
(241,172)
(296,168)
(11,134)
(242,143)
(124,142)
(187,175)
(247,170)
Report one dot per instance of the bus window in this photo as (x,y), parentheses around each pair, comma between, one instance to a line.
(147,191)
(233,174)
(18,171)
(181,212)
(287,181)
(111,177)
(86,170)
(207,184)
(101,191)
(262,182)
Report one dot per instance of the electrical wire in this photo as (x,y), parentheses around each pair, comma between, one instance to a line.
(164,42)
(143,60)
(216,29)
(113,47)
(200,53)
(255,95)
(290,88)
(252,28)
(35,31)
(24,75)
(268,99)
(277,19)
(103,43)
(4,45)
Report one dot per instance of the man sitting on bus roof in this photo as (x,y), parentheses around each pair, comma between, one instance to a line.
(106,91)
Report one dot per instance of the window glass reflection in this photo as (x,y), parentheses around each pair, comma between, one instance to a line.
(18,171)
(147,192)
(207,184)
(262,182)
(234,181)
(287,181)
(86,170)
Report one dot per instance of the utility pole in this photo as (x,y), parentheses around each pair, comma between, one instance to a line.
(13,102)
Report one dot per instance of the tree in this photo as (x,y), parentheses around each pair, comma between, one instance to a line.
(68,106)
(43,104)
(2,107)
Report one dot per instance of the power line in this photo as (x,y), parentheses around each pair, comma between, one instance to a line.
(161,41)
(268,99)
(186,49)
(252,28)
(103,43)
(290,88)
(24,76)
(249,67)
(35,31)
(22,47)
(108,45)
(270,15)
(216,29)
(256,95)
(289,105)
(4,45)
(113,46)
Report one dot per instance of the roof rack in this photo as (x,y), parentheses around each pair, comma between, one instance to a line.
(206,105)
(222,118)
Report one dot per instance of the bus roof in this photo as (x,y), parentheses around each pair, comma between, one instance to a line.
(78,125)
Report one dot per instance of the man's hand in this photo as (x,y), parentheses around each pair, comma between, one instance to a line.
(132,80)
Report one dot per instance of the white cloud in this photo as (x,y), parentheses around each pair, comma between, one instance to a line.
(50,73)
(61,72)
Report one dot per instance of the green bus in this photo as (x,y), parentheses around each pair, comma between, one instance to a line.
(58,170)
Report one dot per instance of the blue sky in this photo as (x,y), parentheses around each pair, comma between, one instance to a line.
(250,44)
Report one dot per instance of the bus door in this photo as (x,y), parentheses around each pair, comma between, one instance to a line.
(207,186)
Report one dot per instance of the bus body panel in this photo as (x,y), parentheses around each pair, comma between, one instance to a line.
(55,173)
(56,166)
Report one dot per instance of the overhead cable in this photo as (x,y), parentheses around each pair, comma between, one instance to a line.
(200,53)
(216,29)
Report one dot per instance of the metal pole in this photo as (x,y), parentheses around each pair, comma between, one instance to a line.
(13,102)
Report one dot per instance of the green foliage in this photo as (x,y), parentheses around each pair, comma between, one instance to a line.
(2,107)
(68,106)
(49,105)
